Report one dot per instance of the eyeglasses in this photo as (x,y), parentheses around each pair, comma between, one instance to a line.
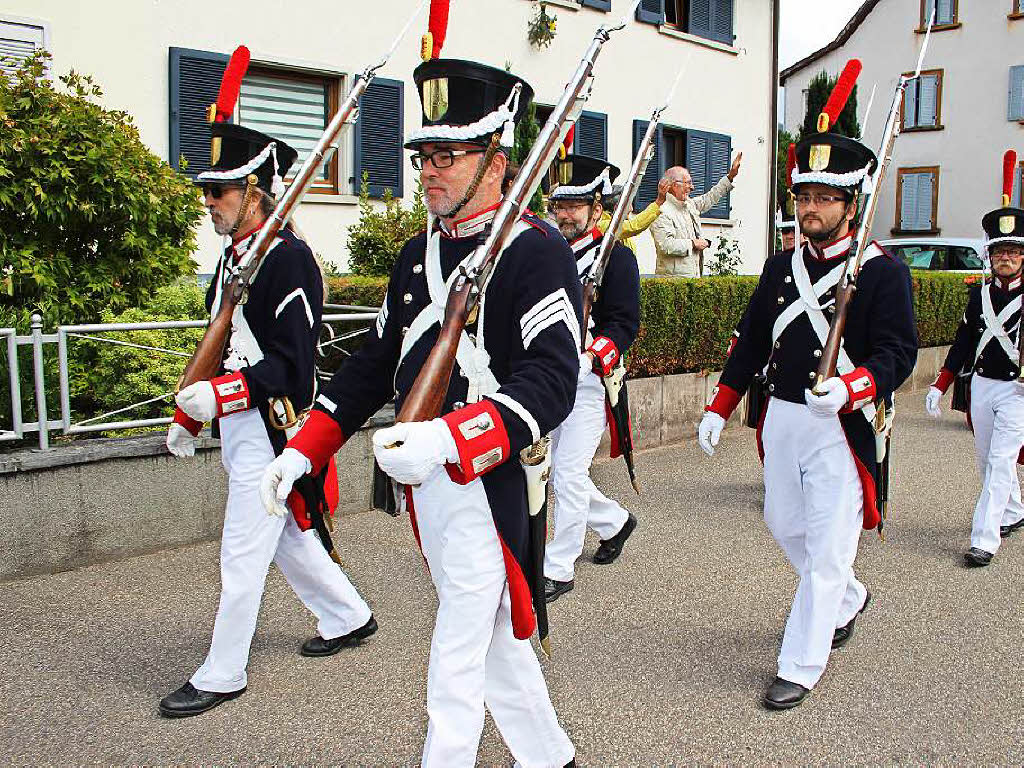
(441,158)
(1009,253)
(806,198)
(217,190)
(565,207)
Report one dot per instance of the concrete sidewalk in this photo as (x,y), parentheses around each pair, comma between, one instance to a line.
(660,658)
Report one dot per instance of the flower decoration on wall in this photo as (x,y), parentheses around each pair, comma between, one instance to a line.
(540,29)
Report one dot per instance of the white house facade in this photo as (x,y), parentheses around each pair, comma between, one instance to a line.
(161,61)
(965,111)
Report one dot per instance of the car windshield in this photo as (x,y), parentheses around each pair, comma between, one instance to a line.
(918,256)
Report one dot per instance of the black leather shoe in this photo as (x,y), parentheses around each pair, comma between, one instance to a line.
(782,694)
(610,549)
(1006,530)
(977,557)
(317,646)
(555,589)
(844,633)
(189,700)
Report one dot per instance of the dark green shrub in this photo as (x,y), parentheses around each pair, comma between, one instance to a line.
(375,240)
(90,218)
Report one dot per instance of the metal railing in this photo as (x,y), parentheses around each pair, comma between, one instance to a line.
(37,340)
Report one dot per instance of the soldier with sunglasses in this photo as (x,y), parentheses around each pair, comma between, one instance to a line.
(270,356)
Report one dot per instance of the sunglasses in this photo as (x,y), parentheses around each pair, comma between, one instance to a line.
(217,190)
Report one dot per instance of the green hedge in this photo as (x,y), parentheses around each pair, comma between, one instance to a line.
(686,323)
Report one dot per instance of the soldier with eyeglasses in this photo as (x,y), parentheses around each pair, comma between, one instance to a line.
(986,348)
(821,460)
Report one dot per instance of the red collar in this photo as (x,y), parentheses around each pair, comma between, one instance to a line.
(829,251)
(472,224)
(1006,285)
(586,239)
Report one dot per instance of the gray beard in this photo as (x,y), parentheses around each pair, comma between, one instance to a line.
(573,233)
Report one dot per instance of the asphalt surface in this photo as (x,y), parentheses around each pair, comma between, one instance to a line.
(660,658)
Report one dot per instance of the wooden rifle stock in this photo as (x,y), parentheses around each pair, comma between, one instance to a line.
(830,354)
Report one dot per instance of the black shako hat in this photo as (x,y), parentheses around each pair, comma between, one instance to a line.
(1003,225)
(464,101)
(244,151)
(580,177)
(833,160)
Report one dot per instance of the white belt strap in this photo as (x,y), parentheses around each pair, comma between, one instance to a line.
(995,325)
(472,359)
(810,307)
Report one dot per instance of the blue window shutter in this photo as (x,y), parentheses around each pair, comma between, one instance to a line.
(592,135)
(721,21)
(194,82)
(379,132)
(928,100)
(719,159)
(601,5)
(648,190)
(711,19)
(707,159)
(1016,102)
(1018,193)
(910,105)
(651,12)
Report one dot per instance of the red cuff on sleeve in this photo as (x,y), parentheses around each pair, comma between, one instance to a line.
(943,380)
(319,438)
(182,418)
(606,354)
(732,343)
(481,439)
(724,401)
(860,386)
(232,393)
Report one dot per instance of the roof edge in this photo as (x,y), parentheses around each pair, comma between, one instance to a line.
(845,34)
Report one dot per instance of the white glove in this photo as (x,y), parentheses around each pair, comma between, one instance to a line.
(180,441)
(279,477)
(198,401)
(932,400)
(419,448)
(709,431)
(828,405)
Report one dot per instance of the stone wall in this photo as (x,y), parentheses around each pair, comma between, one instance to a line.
(95,500)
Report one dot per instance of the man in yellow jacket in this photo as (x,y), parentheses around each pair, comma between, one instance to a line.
(634,225)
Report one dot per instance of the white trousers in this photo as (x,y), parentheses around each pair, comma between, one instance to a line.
(251,539)
(474,658)
(813,507)
(578,502)
(997,414)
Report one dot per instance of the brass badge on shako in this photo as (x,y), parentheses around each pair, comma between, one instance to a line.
(435,98)
(819,157)
(1007,224)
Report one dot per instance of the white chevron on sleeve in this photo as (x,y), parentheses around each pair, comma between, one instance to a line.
(382,317)
(298,293)
(552,309)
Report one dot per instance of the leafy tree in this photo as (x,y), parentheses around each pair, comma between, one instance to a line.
(818,91)
(375,240)
(526,135)
(90,218)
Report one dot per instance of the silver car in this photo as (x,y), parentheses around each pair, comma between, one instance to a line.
(958,254)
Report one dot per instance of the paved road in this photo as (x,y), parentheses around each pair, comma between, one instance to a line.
(659,659)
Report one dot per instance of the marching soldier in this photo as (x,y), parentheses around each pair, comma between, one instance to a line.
(615,319)
(514,381)
(820,452)
(986,345)
(270,358)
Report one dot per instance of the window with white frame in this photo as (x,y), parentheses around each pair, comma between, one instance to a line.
(19,39)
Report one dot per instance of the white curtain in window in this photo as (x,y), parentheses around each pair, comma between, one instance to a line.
(292,110)
(18,41)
